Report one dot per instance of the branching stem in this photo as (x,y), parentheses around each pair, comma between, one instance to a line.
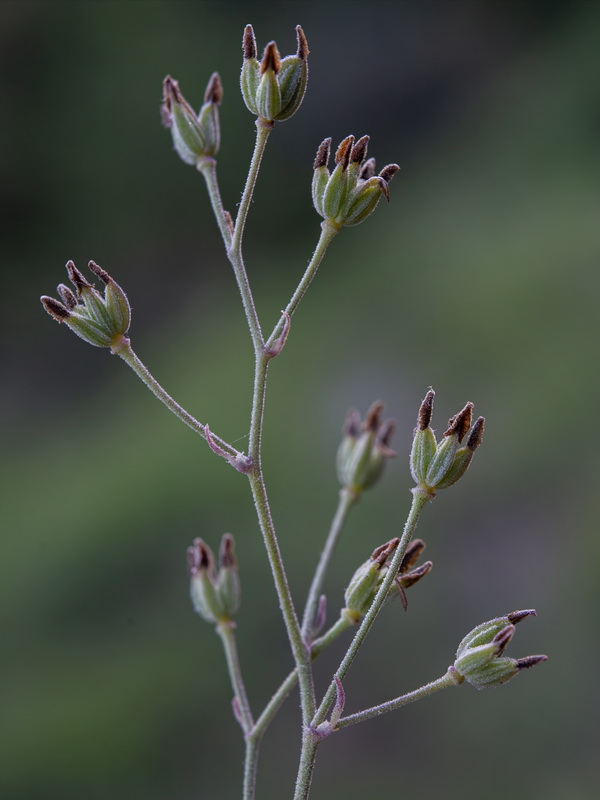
(226,630)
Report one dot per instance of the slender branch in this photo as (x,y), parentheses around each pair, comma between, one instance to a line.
(418,503)
(263,129)
(346,501)
(208,167)
(226,630)
(328,232)
(451,678)
(125,351)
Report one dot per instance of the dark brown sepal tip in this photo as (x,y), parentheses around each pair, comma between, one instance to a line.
(409,579)
(460,423)
(352,424)
(502,638)
(373,419)
(101,273)
(271,59)
(388,172)
(342,154)
(476,436)
(530,661)
(302,51)
(55,308)
(426,410)
(67,296)
(517,616)
(381,554)
(359,151)
(386,432)
(214,90)
(227,551)
(413,551)
(76,278)
(322,156)
(249,43)
(367,170)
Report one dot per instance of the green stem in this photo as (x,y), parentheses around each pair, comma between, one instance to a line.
(226,630)
(310,741)
(250,768)
(418,503)
(451,678)
(124,350)
(346,501)
(234,251)
(328,232)
(208,167)
(288,684)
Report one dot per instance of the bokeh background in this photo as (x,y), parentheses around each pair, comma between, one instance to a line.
(479,278)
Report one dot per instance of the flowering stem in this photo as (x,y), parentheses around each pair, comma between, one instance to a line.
(346,501)
(451,678)
(310,741)
(226,630)
(328,232)
(418,503)
(208,167)
(124,350)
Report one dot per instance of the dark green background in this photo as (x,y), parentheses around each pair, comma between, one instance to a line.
(480,278)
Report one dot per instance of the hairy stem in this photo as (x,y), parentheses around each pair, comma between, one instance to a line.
(328,232)
(250,768)
(288,684)
(226,630)
(310,741)
(208,167)
(346,501)
(418,503)
(451,678)
(125,351)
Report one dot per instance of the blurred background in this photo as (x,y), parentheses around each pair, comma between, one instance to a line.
(479,278)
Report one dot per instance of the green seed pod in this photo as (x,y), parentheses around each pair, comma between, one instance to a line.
(203,583)
(365,582)
(424,443)
(437,466)
(480,656)
(274,88)
(228,581)
(194,136)
(351,192)
(99,320)
(363,449)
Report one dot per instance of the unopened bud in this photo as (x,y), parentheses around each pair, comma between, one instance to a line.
(195,137)
(215,592)
(274,88)
(480,658)
(351,192)
(101,320)
(437,465)
(363,449)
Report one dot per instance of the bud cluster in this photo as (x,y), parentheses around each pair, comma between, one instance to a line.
(480,658)
(195,136)
(215,592)
(437,465)
(351,192)
(367,579)
(101,320)
(363,449)
(273,88)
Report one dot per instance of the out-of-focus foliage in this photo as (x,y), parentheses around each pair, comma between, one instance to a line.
(480,277)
